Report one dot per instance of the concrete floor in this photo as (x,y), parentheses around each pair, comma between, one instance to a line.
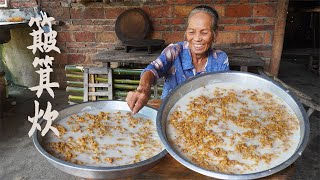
(20,160)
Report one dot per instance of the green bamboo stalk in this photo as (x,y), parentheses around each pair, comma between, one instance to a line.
(80,98)
(116,86)
(76,76)
(119,81)
(118,94)
(102,98)
(75,98)
(74,89)
(73,68)
(75,83)
(121,93)
(126,81)
(120,71)
(125,86)
(102,79)
(132,87)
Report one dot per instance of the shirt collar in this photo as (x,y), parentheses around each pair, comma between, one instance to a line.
(187,63)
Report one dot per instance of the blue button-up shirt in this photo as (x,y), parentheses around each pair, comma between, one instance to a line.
(175,64)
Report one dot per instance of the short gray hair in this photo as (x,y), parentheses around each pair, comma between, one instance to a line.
(209,10)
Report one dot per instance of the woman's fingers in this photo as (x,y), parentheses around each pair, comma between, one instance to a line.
(141,101)
(136,100)
(131,99)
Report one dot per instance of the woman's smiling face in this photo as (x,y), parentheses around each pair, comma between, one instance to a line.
(199,33)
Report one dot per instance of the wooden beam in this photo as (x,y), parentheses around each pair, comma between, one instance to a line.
(316,9)
(85,84)
(279,30)
(92,89)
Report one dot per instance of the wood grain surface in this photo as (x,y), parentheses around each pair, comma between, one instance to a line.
(237,57)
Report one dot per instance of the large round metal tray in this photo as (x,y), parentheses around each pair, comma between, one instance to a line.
(241,79)
(99,172)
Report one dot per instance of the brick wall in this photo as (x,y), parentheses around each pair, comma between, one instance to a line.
(22,3)
(88,29)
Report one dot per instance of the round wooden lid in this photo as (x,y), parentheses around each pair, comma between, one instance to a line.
(132,24)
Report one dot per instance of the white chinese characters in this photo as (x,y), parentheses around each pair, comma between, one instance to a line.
(48,115)
(44,41)
(44,76)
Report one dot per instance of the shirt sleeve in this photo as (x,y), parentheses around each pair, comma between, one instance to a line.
(223,61)
(164,62)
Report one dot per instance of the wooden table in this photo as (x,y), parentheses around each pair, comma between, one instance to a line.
(169,168)
(310,52)
(237,57)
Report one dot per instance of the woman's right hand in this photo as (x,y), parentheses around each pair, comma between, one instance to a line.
(138,99)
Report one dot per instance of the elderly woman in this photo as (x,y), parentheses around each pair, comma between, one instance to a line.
(183,60)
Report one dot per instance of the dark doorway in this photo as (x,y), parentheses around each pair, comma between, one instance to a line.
(302,35)
(302,25)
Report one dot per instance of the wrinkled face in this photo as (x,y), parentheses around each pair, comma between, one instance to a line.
(199,33)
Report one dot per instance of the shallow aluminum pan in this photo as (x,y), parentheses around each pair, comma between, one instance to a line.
(242,79)
(93,172)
